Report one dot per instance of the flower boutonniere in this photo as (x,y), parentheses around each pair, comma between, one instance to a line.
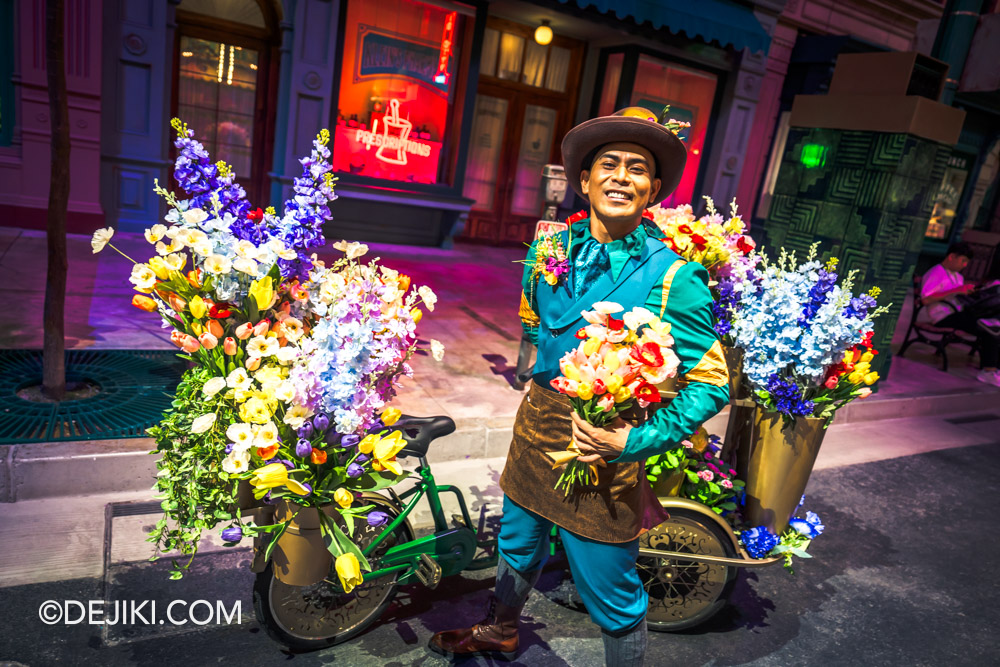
(551,260)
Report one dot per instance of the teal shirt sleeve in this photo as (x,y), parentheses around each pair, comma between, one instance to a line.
(689,310)
(528,310)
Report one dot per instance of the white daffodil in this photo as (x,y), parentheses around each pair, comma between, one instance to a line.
(142,277)
(203,248)
(607,307)
(262,346)
(175,261)
(155,233)
(352,249)
(244,265)
(429,297)
(296,415)
(281,250)
(237,461)
(217,264)
(638,316)
(287,354)
(213,386)
(239,379)
(246,249)
(241,434)
(437,350)
(194,216)
(101,238)
(172,232)
(203,423)
(285,392)
(266,435)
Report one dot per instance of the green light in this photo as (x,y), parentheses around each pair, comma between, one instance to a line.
(813,155)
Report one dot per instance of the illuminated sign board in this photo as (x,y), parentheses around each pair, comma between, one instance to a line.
(447,40)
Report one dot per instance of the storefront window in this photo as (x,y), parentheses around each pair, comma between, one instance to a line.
(216,94)
(398,89)
(948,198)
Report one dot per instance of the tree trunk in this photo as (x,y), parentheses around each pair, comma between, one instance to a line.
(53,356)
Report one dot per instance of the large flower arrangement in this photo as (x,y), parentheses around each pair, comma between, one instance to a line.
(806,339)
(293,362)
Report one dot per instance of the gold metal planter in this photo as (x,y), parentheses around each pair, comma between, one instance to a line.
(300,558)
(668,486)
(779,467)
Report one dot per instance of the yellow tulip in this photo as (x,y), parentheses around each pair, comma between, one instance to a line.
(417,315)
(591,346)
(343,497)
(391,416)
(862,367)
(623,395)
(159,267)
(367,443)
(386,449)
(198,307)
(867,357)
(569,370)
(611,361)
(585,391)
(274,475)
(855,378)
(262,292)
(614,382)
(348,571)
(870,378)
(197,329)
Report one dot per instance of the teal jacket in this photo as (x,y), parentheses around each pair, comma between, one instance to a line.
(644,272)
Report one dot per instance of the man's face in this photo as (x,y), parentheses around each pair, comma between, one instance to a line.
(620,183)
(955,262)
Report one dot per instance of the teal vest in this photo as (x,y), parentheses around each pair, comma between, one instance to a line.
(560,312)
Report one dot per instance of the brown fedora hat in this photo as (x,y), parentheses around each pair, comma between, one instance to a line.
(634,125)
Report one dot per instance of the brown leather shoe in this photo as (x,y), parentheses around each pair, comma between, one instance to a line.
(497,633)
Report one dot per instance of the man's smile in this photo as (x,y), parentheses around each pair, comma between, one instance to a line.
(619,195)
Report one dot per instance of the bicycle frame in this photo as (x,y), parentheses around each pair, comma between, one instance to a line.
(452,548)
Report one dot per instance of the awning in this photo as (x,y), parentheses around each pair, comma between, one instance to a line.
(724,21)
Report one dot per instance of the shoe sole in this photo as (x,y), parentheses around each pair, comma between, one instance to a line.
(505,655)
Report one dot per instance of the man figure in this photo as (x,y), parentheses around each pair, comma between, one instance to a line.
(941,285)
(621,164)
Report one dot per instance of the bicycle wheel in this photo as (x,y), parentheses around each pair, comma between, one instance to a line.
(307,618)
(682,593)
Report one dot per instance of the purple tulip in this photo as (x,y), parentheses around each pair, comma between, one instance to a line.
(376,519)
(305,431)
(332,438)
(350,440)
(309,488)
(354,470)
(233,534)
(303,448)
(321,422)
(361,458)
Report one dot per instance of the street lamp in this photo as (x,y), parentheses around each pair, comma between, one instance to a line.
(543,33)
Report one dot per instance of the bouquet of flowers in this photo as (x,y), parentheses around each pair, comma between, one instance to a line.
(293,362)
(718,244)
(760,542)
(618,361)
(797,328)
(706,478)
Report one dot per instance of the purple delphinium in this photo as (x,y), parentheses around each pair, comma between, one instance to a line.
(723,305)
(817,295)
(199,178)
(787,397)
(859,307)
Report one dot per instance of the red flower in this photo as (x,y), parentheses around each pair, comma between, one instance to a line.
(599,387)
(648,354)
(256,216)
(219,311)
(648,215)
(615,325)
(581,333)
(698,241)
(685,229)
(647,392)
(744,247)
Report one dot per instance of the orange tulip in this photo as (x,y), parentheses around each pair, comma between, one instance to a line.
(252,364)
(404,283)
(144,303)
(268,452)
(215,328)
(229,346)
(261,327)
(318,456)
(208,341)
(176,302)
(194,278)
(186,342)
(244,331)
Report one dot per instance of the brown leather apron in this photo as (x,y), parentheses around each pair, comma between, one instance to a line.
(618,508)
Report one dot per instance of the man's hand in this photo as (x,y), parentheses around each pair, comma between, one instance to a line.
(599,442)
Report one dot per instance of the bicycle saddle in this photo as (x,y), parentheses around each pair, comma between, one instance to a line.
(418,432)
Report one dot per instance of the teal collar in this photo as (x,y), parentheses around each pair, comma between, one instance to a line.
(619,251)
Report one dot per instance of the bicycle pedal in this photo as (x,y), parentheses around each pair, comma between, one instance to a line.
(428,571)
(458,521)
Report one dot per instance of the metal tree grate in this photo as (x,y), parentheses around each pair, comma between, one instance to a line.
(136,387)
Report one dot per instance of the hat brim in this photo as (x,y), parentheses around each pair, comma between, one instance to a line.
(667,149)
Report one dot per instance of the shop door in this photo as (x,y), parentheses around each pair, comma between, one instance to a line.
(512,138)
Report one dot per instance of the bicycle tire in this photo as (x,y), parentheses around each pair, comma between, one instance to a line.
(309,618)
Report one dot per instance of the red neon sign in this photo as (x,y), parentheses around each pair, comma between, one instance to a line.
(447,42)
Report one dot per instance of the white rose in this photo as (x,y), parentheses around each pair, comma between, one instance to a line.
(217,264)
(203,423)
(214,386)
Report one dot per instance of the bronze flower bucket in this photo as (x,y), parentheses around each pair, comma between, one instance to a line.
(780,464)
(734,364)
(244,495)
(668,486)
(300,558)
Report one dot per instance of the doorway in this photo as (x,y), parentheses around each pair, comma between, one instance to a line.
(525,104)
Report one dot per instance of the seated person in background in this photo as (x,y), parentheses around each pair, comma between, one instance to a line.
(940,289)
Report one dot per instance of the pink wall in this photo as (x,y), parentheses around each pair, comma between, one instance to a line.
(24,168)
